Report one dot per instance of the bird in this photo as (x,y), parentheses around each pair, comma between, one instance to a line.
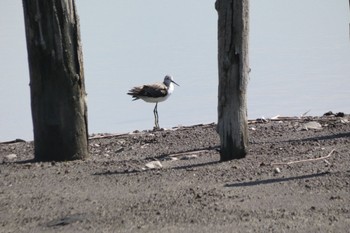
(154,93)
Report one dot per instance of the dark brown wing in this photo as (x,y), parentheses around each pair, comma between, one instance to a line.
(155,90)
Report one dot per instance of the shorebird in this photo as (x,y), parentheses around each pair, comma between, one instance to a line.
(154,93)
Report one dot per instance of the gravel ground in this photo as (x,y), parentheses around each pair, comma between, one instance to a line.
(283,185)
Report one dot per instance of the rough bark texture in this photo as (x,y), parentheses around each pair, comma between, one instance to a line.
(233,30)
(58,104)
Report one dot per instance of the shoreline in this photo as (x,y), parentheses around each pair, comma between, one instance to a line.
(250,121)
(293,178)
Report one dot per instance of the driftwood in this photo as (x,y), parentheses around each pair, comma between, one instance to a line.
(13,141)
(189,152)
(108,136)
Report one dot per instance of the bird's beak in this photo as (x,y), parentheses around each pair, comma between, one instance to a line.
(174,82)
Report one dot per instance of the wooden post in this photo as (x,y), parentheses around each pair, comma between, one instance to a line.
(57,87)
(233,31)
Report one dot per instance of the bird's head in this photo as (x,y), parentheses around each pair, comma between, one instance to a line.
(169,79)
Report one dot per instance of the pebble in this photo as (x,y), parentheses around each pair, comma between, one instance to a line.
(312,125)
(10,156)
(277,170)
(154,165)
(120,149)
(344,120)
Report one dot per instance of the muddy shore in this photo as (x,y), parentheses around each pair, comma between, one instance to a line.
(296,178)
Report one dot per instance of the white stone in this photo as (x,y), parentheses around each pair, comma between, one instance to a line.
(277,170)
(312,125)
(344,120)
(154,165)
(11,156)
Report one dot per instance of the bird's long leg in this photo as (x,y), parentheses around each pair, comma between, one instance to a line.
(155,111)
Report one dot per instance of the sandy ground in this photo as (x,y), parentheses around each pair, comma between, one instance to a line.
(114,191)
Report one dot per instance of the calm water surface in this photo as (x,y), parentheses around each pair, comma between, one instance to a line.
(299,55)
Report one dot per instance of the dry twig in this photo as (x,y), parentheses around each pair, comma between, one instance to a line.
(304,160)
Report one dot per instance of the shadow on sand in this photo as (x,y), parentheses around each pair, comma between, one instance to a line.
(275,180)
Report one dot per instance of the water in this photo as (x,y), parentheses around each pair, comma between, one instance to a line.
(299,55)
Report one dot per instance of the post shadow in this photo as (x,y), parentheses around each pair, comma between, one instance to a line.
(274,180)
